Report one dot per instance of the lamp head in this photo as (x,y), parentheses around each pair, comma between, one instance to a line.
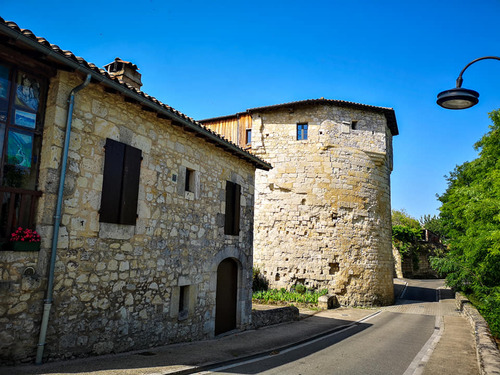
(457,98)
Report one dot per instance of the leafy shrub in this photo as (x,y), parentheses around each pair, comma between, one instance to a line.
(489,307)
(300,288)
(282,295)
(259,282)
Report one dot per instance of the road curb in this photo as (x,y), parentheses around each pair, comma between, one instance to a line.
(402,292)
(276,350)
(488,355)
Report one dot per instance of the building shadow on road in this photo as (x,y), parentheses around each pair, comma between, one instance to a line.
(268,341)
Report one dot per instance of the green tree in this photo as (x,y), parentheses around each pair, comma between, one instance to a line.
(470,218)
(433,223)
(401,217)
(406,233)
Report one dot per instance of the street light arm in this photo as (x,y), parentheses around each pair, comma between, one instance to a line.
(460,80)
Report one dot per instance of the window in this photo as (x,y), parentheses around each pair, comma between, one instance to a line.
(22,105)
(354,125)
(232,218)
(183,302)
(248,136)
(120,185)
(301,132)
(189,182)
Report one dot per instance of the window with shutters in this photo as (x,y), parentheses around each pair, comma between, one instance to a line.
(120,185)
(232,217)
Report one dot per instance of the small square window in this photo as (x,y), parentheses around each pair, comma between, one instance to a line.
(354,125)
(248,136)
(301,132)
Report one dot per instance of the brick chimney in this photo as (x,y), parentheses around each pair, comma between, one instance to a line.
(125,71)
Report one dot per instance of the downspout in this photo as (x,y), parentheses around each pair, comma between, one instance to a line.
(57,221)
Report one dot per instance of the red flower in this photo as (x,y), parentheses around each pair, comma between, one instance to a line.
(25,235)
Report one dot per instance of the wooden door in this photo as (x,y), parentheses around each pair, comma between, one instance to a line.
(226,297)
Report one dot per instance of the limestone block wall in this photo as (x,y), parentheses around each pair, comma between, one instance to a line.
(323,213)
(117,286)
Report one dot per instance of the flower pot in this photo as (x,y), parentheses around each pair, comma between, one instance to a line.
(24,246)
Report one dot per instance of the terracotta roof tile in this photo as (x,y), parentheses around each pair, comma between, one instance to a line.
(81,61)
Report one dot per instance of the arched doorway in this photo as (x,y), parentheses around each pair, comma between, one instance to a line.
(226,296)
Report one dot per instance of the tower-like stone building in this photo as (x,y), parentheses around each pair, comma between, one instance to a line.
(323,213)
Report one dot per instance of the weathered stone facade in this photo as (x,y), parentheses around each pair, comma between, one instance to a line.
(118,287)
(323,213)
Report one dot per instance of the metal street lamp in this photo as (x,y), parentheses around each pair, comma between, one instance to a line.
(460,98)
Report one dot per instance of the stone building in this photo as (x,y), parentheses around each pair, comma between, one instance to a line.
(154,244)
(323,213)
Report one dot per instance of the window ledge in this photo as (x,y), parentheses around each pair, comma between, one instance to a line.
(183,315)
(116,231)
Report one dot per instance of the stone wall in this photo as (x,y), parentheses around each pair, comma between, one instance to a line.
(323,214)
(264,318)
(117,286)
(487,353)
(419,267)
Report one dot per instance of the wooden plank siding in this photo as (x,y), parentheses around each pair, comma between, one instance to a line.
(232,128)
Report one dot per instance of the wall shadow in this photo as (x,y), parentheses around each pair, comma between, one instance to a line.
(230,348)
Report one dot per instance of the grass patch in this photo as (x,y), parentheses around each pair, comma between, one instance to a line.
(283,295)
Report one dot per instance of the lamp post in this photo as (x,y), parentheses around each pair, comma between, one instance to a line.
(458,97)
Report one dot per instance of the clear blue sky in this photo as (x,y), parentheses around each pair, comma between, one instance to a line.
(212,58)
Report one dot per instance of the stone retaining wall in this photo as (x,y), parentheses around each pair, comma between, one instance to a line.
(262,318)
(488,355)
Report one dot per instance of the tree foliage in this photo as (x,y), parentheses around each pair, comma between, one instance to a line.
(406,233)
(402,218)
(470,220)
(433,223)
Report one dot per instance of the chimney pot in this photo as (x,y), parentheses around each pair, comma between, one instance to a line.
(125,71)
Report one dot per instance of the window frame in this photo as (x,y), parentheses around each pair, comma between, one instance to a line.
(302,131)
(19,200)
(248,136)
(189,180)
(232,209)
(122,165)
(9,124)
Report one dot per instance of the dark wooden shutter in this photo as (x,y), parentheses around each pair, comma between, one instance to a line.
(232,219)
(187,180)
(229,219)
(111,191)
(237,209)
(130,185)
(120,185)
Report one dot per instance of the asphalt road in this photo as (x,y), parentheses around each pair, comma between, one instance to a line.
(386,344)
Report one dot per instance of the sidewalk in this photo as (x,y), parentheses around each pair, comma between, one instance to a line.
(191,357)
(453,354)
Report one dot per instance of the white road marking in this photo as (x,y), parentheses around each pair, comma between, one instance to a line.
(346,327)
(417,365)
